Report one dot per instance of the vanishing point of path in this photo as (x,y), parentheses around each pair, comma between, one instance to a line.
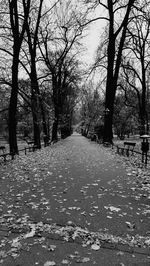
(75,184)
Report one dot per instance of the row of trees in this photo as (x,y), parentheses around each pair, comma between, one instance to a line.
(122,61)
(43,44)
(40,42)
(91,114)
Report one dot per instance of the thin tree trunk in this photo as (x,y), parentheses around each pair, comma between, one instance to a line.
(17,25)
(110,93)
(36,130)
(45,130)
(55,126)
(143,100)
(12,124)
(113,67)
(35,107)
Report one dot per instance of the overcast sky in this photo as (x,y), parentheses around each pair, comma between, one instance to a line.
(94,35)
(91,43)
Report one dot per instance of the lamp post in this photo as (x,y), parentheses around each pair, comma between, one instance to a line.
(106,124)
(146,128)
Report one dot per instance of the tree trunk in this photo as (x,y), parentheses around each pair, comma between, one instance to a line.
(143,100)
(55,126)
(113,66)
(143,121)
(108,134)
(36,129)
(45,129)
(12,125)
(17,26)
(110,92)
(35,107)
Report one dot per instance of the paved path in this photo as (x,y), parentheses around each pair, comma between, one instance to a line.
(74,183)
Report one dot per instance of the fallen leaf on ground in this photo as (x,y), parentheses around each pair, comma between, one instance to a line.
(95,247)
(65,262)
(50,263)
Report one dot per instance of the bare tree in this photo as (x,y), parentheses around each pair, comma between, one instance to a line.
(60,42)
(114,60)
(32,30)
(18,13)
(136,62)
(38,14)
(117,16)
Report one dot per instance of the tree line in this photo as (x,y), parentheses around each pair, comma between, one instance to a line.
(41,71)
(40,42)
(122,63)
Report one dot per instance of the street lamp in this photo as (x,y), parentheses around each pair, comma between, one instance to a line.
(146,128)
(107,126)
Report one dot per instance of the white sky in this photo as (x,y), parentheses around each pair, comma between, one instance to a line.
(94,36)
(91,43)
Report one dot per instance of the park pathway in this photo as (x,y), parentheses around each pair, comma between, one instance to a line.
(74,183)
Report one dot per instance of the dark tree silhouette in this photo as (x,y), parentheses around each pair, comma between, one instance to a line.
(18,25)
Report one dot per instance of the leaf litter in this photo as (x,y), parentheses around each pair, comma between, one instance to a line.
(70,234)
(27,168)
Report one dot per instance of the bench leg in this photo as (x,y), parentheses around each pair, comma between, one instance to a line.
(132,152)
(117,150)
(30,148)
(122,151)
(5,158)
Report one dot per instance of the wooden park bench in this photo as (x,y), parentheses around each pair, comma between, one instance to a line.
(5,155)
(30,143)
(2,149)
(127,148)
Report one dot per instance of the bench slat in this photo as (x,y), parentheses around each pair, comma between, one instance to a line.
(129,143)
(128,147)
(2,148)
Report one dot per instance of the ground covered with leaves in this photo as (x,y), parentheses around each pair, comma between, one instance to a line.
(75,202)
